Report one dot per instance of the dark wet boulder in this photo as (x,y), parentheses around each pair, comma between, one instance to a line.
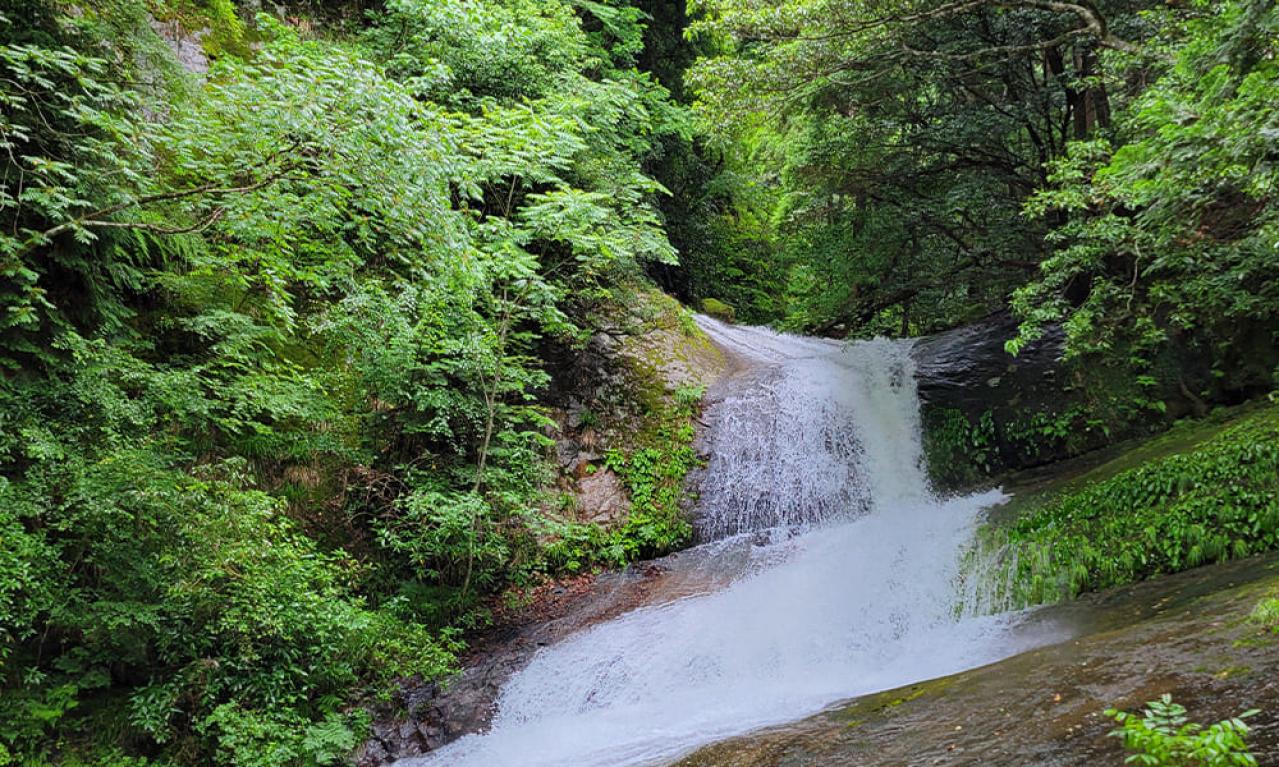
(987,413)
(968,368)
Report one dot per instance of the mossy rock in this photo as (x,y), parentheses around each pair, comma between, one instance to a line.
(719,310)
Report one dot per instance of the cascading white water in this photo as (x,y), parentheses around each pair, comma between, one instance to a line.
(823,432)
(863,599)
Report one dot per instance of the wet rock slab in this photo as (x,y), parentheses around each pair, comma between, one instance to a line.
(968,368)
(1186,634)
(440,713)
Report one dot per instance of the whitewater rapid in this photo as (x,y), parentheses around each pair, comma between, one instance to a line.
(818,458)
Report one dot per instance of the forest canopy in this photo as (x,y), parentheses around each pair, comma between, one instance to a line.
(1109,165)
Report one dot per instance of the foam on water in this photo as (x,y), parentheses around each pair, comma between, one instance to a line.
(864,599)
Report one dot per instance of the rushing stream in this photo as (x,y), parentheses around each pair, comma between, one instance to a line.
(852,584)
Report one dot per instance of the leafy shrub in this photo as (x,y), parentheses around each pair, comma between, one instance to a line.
(960,452)
(654,474)
(1165,737)
(576,547)
(1266,614)
(200,589)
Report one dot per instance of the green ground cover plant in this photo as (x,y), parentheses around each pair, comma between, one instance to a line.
(1214,501)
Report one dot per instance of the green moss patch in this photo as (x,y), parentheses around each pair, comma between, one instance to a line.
(719,310)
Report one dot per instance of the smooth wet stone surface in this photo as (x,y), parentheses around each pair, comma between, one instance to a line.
(1186,634)
(968,368)
(439,714)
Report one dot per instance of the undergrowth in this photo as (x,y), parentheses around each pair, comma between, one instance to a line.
(653,472)
(1165,737)
(1266,614)
(1213,503)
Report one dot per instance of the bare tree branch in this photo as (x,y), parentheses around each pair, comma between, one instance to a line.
(200,226)
(1094,23)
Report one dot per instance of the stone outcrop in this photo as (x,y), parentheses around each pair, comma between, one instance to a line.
(975,395)
(987,413)
(187,47)
(968,368)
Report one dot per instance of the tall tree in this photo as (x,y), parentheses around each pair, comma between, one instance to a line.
(909,136)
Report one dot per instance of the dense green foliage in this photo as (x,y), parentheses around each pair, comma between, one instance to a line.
(898,142)
(1174,230)
(1106,165)
(1165,737)
(276,340)
(654,473)
(271,346)
(1216,501)
(1106,168)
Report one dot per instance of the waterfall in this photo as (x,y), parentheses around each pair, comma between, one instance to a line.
(822,431)
(858,594)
